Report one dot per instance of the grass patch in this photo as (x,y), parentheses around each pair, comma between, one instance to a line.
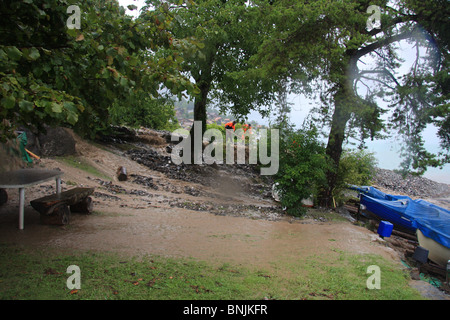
(27,273)
(81,164)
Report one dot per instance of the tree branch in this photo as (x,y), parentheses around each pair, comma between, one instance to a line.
(382,71)
(383,42)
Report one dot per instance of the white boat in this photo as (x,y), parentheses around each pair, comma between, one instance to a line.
(436,252)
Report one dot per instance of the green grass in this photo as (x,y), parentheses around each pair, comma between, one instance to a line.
(81,164)
(27,273)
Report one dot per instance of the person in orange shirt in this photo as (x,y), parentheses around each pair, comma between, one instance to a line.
(246,127)
(230,125)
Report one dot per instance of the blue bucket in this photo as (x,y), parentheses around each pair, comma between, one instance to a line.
(385,229)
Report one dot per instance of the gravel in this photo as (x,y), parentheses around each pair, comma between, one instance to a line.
(410,185)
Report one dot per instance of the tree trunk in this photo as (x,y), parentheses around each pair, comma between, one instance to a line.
(84,206)
(60,216)
(3,196)
(200,106)
(344,103)
(204,84)
(122,174)
(334,152)
(203,78)
(47,204)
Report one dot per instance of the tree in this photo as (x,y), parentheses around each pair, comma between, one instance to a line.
(228,34)
(327,41)
(53,74)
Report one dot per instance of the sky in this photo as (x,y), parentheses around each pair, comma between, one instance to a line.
(386,151)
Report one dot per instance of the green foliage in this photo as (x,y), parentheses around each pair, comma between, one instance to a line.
(50,74)
(216,126)
(32,42)
(327,41)
(357,167)
(228,34)
(143,111)
(302,169)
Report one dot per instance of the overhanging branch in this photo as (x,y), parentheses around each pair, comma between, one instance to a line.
(383,42)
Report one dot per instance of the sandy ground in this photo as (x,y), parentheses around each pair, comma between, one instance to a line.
(134,219)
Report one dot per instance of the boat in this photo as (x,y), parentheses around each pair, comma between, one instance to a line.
(433,233)
(386,207)
(430,222)
(436,252)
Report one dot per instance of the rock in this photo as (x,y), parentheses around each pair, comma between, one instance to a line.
(56,141)
(415,274)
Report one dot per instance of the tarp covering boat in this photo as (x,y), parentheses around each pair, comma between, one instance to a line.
(433,221)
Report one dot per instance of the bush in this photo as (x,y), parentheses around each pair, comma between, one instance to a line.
(302,169)
(357,167)
(158,114)
(216,126)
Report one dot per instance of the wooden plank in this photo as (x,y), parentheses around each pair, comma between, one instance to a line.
(405,235)
(433,268)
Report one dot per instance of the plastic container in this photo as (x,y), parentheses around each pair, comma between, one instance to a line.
(421,254)
(385,229)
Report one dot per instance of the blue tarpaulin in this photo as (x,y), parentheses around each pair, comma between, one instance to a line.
(433,221)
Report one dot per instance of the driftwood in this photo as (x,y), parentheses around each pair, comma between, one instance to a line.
(402,244)
(352,209)
(56,209)
(59,216)
(122,174)
(433,268)
(409,236)
(85,206)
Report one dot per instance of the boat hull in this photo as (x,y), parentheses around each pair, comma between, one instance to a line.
(436,252)
(391,211)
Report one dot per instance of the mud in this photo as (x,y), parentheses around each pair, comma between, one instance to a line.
(138,229)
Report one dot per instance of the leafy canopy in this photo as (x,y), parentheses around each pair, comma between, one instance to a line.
(324,48)
(55,75)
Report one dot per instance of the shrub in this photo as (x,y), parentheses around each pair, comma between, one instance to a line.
(302,169)
(357,167)
(221,128)
(143,111)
